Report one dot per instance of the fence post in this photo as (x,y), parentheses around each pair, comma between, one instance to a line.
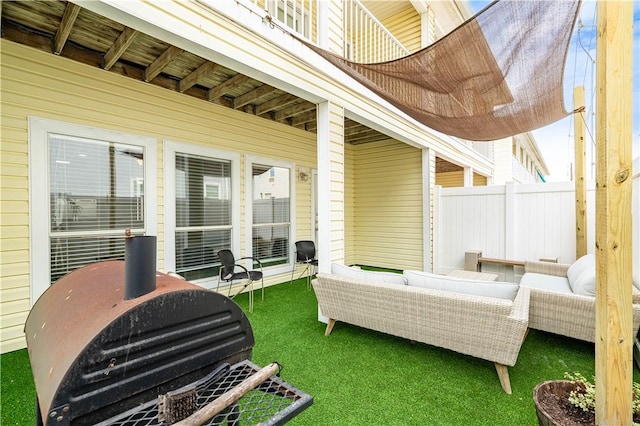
(509,221)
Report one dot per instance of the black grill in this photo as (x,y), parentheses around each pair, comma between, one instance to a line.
(96,356)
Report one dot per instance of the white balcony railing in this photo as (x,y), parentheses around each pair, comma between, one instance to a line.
(365,38)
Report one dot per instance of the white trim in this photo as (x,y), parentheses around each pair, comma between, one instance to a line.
(39,215)
(314,206)
(426,210)
(249,161)
(170,150)
(323,147)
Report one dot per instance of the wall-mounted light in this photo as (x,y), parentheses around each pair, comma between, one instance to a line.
(303,174)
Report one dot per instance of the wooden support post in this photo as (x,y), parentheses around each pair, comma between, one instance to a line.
(580,181)
(614,338)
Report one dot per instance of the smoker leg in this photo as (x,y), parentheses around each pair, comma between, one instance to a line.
(38,415)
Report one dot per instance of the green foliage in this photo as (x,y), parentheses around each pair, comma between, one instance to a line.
(361,377)
(584,396)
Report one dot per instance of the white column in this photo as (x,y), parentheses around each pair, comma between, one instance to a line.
(323,23)
(428,186)
(468,176)
(330,148)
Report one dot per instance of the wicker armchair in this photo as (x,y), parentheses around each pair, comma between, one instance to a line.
(561,311)
(483,327)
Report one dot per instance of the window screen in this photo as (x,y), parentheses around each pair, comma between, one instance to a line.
(271,214)
(96,192)
(203,214)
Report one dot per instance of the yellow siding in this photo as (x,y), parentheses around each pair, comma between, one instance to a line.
(405,26)
(432,190)
(388,205)
(450,179)
(336,158)
(479,180)
(336,25)
(39,84)
(349,205)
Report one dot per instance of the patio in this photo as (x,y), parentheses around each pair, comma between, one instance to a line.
(357,376)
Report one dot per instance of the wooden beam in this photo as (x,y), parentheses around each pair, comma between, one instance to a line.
(161,63)
(253,95)
(279,102)
(614,339)
(303,118)
(66,24)
(119,47)
(198,74)
(580,179)
(222,88)
(293,110)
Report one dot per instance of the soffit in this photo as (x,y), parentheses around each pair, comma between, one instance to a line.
(90,38)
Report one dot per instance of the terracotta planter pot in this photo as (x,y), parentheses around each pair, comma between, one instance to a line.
(559,388)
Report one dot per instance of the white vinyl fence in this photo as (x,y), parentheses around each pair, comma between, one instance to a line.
(517,222)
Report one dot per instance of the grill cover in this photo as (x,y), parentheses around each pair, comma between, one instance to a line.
(94,354)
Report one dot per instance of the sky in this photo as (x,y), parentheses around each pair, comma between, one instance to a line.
(555,141)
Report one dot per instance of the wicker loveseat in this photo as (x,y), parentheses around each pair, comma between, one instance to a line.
(488,328)
(563,298)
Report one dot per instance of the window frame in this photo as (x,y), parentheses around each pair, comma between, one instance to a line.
(39,188)
(250,160)
(171,148)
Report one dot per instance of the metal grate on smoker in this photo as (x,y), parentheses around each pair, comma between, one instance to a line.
(273,402)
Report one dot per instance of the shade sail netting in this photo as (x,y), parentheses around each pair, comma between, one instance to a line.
(497,75)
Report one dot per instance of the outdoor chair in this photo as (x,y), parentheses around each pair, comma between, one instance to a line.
(306,255)
(228,274)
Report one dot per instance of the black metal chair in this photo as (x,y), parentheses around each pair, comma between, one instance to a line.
(306,255)
(228,274)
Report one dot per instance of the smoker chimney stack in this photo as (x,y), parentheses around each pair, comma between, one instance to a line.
(139,265)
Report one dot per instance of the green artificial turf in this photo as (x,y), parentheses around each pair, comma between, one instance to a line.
(362,377)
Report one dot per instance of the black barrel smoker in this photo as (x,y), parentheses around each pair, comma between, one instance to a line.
(104,352)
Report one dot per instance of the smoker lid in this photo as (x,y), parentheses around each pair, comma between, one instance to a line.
(76,308)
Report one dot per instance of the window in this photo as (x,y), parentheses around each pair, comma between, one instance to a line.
(271,226)
(87,187)
(201,183)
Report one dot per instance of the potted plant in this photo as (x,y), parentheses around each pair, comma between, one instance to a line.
(571,402)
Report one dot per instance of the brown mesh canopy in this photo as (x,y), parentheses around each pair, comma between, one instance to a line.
(497,75)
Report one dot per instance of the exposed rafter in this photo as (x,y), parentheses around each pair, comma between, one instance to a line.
(66,24)
(119,47)
(161,62)
(227,86)
(200,73)
(253,96)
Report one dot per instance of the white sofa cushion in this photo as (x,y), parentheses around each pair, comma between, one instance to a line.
(500,290)
(586,263)
(546,282)
(371,276)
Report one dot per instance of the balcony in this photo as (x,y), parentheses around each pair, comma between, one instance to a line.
(365,38)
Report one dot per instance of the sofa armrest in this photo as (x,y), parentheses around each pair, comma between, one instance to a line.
(547,268)
(521,305)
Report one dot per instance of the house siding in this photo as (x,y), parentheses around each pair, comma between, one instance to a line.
(388,212)
(450,179)
(35,83)
(502,158)
(479,180)
(349,205)
(405,26)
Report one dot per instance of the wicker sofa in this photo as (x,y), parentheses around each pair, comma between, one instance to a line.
(563,298)
(484,327)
